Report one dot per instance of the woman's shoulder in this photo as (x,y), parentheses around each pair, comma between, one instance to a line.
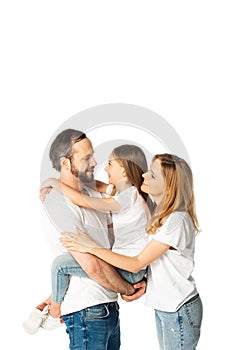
(177,218)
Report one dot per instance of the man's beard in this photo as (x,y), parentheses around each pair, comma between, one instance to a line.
(82,175)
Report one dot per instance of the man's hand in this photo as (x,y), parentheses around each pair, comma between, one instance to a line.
(140,290)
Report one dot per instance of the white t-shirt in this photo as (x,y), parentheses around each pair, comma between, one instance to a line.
(129,223)
(66,217)
(170,283)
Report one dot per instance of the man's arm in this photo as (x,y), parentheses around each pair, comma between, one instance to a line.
(97,269)
(103,273)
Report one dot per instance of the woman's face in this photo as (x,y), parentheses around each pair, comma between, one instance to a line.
(154,182)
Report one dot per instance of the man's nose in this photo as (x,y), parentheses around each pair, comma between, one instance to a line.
(93,161)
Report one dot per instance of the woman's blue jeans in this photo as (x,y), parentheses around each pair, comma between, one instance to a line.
(94,328)
(180,330)
(64,266)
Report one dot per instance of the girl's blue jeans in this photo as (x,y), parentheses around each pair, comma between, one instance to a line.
(180,330)
(65,266)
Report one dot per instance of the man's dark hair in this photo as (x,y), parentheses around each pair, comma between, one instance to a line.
(62,146)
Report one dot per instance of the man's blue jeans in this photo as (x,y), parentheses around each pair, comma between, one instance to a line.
(180,330)
(94,328)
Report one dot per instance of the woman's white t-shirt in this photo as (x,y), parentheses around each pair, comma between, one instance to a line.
(170,283)
(129,223)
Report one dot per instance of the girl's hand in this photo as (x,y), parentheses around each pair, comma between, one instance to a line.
(46,187)
(79,241)
(50,182)
(43,193)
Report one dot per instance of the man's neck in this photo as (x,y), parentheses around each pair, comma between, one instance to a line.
(72,181)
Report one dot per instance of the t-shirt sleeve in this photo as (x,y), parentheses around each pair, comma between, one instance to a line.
(126,198)
(173,232)
(61,217)
(60,213)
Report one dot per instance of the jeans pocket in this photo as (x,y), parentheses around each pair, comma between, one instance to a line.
(193,312)
(68,320)
(97,312)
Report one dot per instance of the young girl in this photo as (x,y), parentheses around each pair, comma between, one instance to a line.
(130,214)
(171,289)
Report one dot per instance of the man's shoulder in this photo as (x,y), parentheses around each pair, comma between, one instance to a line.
(61,210)
(58,204)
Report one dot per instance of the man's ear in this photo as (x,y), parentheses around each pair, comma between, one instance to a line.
(65,163)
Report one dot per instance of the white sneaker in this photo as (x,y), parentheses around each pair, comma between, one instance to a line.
(33,323)
(51,323)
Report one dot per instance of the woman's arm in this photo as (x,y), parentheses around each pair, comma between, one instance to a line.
(83,243)
(105,204)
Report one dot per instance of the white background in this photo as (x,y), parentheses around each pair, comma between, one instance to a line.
(61,57)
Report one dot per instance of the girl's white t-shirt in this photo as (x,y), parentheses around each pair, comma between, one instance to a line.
(170,283)
(129,223)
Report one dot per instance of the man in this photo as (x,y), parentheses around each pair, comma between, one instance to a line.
(90,309)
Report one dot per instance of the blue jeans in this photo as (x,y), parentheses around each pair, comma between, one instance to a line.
(94,328)
(132,277)
(180,330)
(65,266)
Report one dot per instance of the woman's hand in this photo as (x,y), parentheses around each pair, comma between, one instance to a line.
(79,242)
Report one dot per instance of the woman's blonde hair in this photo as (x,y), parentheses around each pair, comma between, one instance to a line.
(178,194)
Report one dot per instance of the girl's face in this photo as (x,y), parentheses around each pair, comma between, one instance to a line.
(154,182)
(115,171)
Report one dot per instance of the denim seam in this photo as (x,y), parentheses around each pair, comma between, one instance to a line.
(180,319)
(187,313)
(59,271)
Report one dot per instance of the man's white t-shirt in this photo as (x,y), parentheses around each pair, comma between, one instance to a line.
(129,223)
(170,283)
(64,216)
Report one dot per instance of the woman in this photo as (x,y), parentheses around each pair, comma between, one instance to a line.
(171,289)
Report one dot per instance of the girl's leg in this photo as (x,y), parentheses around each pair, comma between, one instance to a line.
(63,267)
(132,277)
